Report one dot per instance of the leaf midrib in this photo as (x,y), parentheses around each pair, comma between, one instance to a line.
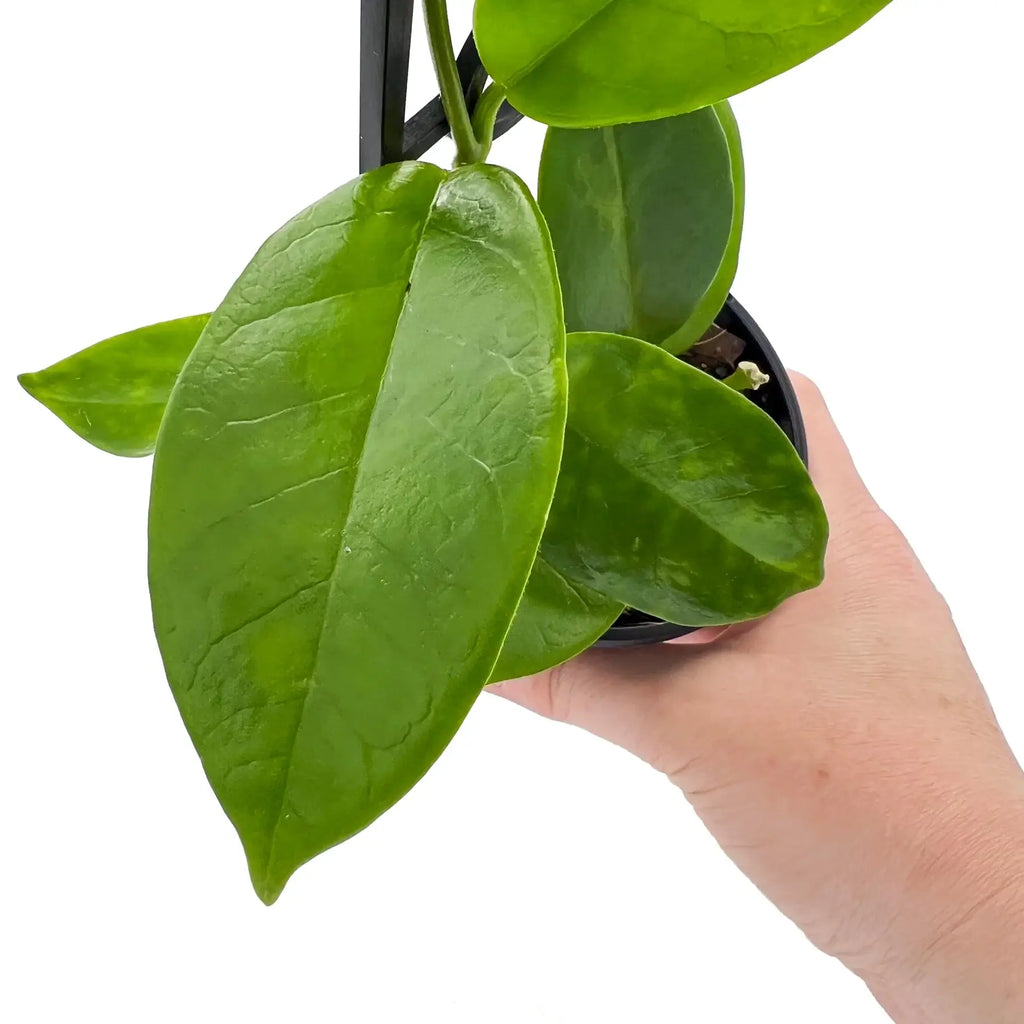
(615,154)
(632,470)
(333,578)
(528,69)
(512,80)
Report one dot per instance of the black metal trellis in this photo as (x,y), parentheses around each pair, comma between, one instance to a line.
(384,134)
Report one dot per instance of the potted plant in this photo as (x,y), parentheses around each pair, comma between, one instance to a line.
(441,433)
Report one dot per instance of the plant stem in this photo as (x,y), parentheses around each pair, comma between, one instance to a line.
(485,115)
(748,377)
(468,148)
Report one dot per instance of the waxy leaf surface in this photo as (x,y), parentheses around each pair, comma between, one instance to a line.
(714,298)
(556,620)
(688,502)
(113,393)
(642,218)
(584,63)
(349,489)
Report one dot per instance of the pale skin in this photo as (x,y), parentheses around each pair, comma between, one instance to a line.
(843,753)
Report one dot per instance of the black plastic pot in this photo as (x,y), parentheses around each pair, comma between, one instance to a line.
(778,399)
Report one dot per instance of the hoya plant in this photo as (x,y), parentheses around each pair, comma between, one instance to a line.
(440,432)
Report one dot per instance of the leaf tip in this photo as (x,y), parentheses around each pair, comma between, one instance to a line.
(268,880)
(29,382)
(267,889)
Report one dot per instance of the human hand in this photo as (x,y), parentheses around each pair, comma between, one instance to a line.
(843,753)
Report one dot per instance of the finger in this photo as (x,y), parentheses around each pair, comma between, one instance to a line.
(835,476)
(702,637)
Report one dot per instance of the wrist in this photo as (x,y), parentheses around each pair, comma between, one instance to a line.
(954,941)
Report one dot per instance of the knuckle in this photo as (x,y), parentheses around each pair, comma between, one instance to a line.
(876,529)
(871,532)
(557,699)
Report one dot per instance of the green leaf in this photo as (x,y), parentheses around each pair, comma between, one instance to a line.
(556,620)
(643,218)
(687,502)
(348,495)
(586,63)
(703,315)
(113,393)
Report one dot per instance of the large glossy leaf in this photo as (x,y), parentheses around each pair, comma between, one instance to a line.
(113,393)
(584,63)
(686,502)
(642,218)
(350,486)
(556,620)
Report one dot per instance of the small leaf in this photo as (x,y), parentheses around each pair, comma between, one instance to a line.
(588,63)
(645,221)
(113,393)
(348,495)
(688,502)
(556,620)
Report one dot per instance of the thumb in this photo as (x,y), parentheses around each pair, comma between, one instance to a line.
(832,469)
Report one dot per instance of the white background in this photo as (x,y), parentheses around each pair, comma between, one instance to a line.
(537,874)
